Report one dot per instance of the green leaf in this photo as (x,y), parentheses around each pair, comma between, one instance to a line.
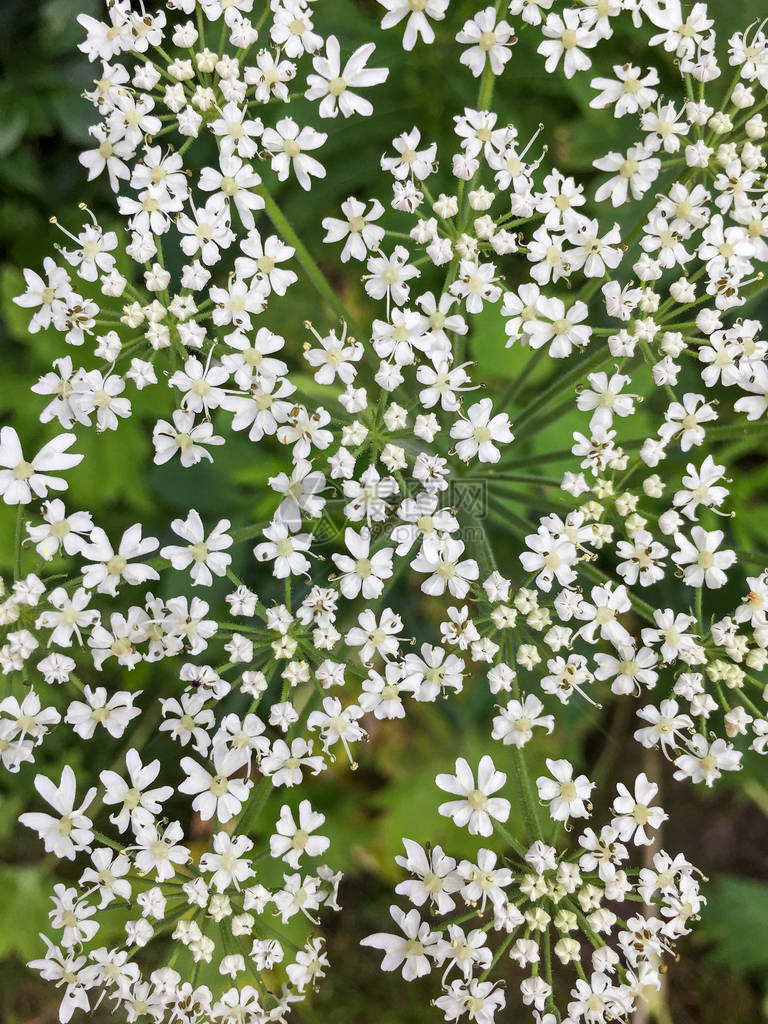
(23,910)
(737,920)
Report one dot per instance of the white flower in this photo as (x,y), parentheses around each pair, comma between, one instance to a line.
(106,568)
(186,719)
(671,633)
(388,276)
(515,723)
(440,556)
(412,949)
(160,852)
(219,793)
(484,880)
(381,693)
(335,358)
(630,91)
(113,712)
(568,36)
(702,563)
(431,674)
(754,606)
(261,261)
(476,806)
(289,145)
(205,554)
(410,160)
(207,231)
(567,797)
(185,438)
(139,803)
(283,765)
(302,492)
(679,34)
(561,330)
(361,235)
(482,998)
(633,173)
(630,671)
(436,877)
(644,559)
(292,29)
(332,86)
(234,182)
(475,284)
(757,382)
(337,723)
(601,618)
(480,432)
(227,862)
(236,131)
(111,152)
(107,875)
(93,392)
(605,400)
(530,10)
(69,614)
(362,571)
(376,636)
(634,813)
(666,726)
(466,950)
(291,841)
(200,384)
(285,549)
(596,999)
(417,12)
(707,760)
(592,253)
(20,479)
(270,75)
(72,917)
(42,294)
(69,831)
(550,557)
(488,41)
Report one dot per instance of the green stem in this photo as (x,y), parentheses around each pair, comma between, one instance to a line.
(508,838)
(17,542)
(253,806)
(529,803)
(699,609)
(563,383)
(497,956)
(306,260)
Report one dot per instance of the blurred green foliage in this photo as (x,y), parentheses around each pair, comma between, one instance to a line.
(723,976)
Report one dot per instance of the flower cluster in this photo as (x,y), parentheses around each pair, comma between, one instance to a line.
(262,678)
(538,902)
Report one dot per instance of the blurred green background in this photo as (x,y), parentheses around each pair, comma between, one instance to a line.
(722,977)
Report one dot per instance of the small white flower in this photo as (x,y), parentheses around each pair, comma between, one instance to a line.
(333,86)
(412,949)
(489,41)
(292,840)
(289,147)
(417,12)
(20,479)
(476,806)
(700,560)
(206,555)
(567,797)
(634,813)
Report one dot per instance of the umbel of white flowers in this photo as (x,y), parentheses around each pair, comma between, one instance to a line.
(261,695)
